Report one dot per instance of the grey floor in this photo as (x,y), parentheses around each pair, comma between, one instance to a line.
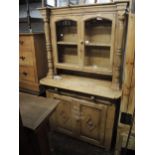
(66,145)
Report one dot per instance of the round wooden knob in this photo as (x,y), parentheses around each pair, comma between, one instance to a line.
(21,42)
(21,57)
(82,42)
(25,74)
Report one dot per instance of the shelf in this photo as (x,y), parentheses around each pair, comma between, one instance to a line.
(98,44)
(66,43)
(83,85)
(68,54)
(87,69)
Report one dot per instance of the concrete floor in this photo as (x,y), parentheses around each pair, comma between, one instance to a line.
(62,144)
(66,145)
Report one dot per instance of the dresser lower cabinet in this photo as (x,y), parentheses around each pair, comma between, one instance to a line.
(32,61)
(88,121)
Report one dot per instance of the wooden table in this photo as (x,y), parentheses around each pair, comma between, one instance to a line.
(35,112)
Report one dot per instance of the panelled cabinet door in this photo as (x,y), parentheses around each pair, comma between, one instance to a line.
(63,116)
(93,122)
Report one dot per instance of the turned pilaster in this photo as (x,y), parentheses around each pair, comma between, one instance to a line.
(118,60)
(46,18)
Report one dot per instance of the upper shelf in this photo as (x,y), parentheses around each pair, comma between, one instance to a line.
(98,44)
(66,43)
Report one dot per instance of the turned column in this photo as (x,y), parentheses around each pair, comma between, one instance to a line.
(118,56)
(46,18)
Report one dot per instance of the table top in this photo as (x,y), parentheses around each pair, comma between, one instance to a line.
(34,109)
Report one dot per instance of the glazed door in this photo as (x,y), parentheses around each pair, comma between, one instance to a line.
(66,42)
(97,42)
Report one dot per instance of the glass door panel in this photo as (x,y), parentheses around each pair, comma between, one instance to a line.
(97,42)
(67,41)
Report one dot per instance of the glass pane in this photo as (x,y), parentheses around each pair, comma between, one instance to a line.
(67,54)
(97,56)
(98,30)
(66,31)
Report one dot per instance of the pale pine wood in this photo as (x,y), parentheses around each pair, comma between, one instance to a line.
(109,126)
(129,63)
(77,34)
(88,121)
(45,13)
(131,103)
(87,51)
(87,69)
(128,95)
(116,81)
(32,61)
(84,85)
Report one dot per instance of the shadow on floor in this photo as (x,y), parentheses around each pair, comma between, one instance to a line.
(66,145)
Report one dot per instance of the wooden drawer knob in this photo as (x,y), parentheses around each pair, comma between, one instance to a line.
(82,42)
(22,57)
(25,74)
(21,42)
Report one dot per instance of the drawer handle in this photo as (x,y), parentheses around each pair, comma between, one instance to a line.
(25,74)
(21,42)
(22,57)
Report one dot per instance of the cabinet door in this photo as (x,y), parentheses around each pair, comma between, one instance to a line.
(93,122)
(65,42)
(97,42)
(97,122)
(63,116)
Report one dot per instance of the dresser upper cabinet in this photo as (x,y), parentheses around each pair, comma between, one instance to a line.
(84,43)
(89,39)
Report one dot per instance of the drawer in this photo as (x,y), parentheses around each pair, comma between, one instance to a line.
(26,74)
(25,43)
(26,58)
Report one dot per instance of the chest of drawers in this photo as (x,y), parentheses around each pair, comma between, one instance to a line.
(32,61)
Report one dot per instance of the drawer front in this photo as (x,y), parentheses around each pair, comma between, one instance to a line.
(25,43)
(25,58)
(26,74)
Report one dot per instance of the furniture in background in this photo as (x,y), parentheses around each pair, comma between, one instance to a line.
(85,50)
(30,19)
(32,61)
(35,112)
